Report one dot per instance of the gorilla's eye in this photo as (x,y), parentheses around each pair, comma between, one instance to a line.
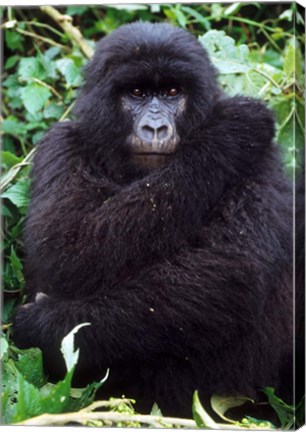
(138,92)
(172,91)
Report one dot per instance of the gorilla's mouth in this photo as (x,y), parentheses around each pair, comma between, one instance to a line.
(151,160)
(152,154)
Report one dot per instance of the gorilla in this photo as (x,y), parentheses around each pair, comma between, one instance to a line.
(161,215)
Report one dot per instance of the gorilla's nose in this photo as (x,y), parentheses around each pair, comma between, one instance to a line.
(152,130)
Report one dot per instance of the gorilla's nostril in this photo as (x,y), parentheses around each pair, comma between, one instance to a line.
(162,132)
(147,133)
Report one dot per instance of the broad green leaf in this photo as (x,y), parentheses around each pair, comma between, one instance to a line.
(227,57)
(70,71)
(299,61)
(53,111)
(18,194)
(84,397)
(221,404)
(29,403)
(57,398)
(34,97)
(284,411)
(230,66)
(10,159)
(49,66)
(293,60)
(3,347)
(12,126)
(254,83)
(37,136)
(67,347)
(31,67)
(30,365)
(286,15)
(5,211)
(9,389)
(16,266)
(13,40)
(289,61)
(52,52)
(8,309)
(202,419)
(11,61)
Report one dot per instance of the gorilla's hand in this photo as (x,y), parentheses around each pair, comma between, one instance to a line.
(26,321)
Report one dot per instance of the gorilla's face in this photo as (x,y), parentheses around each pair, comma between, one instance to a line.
(154,111)
(148,88)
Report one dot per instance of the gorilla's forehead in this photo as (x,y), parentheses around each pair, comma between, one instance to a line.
(155,49)
(152,72)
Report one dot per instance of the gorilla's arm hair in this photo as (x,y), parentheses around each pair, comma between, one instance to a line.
(159,321)
(145,220)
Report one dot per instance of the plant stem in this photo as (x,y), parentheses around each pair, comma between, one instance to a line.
(72,32)
(38,81)
(42,38)
(260,72)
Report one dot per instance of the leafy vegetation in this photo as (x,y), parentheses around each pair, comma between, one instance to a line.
(42,72)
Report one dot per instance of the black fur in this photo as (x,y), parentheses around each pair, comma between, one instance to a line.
(184,271)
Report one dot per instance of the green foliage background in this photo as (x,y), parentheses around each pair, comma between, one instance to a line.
(42,72)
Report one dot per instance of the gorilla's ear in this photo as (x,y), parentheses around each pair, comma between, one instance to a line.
(249,117)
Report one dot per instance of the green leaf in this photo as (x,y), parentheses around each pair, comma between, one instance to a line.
(216,11)
(156,411)
(8,309)
(232,9)
(199,17)
(12,126)
(18,194)
(52,52)
(34,96)
(84,397)
(293,60)
(289,61)
(31,67)
(5,211)
(67,347)
(286,15)
(9,159)
(30,365)
(70,71)
(11,61)
(10,390)
(29,402)
(3,347)
(76,10)
(221,404)
(227,57)
(57,398)
(53,111)
(180,17)
(17,266)
(284,411)
(13,40)
(202,419)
